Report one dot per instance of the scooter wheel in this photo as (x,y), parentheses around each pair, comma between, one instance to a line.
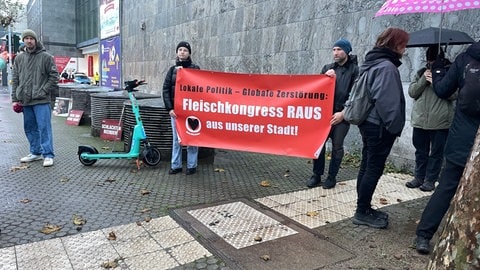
(87,162)
(152,156)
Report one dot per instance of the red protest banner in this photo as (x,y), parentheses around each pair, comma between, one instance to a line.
(275,114)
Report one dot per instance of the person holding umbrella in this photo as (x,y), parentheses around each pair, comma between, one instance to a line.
(459,143)
(431,118)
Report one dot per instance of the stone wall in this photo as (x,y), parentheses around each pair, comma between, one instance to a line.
(271,36)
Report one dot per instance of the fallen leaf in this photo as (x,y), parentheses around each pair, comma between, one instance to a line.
(219,170)
(398,256)
(139,223)
(383,201)
(17,168)
(105,147)
(342,183)
(145,191)
(112,236)
(148,219)
(399,200)
(78,220)
(265,257)
(64,179)
(50,228)
(110,264)
(265,183)
(258,238)
(145,210)
(25,200)
(312,213)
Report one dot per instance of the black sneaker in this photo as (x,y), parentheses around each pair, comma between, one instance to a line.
(427,186)
(329,183)
(175,171)
(380,214)
(191,171)
(370,219)
(314,181)
(422,245)
(414,183)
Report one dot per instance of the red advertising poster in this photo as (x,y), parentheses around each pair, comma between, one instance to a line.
(274,114)
(74,117)
(111,130)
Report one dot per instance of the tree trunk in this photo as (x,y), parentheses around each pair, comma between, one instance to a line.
(458,245)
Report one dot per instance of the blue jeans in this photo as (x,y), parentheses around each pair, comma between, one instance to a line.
(37,124)
(192,151)
(377,143)
(429,145)
(337,135)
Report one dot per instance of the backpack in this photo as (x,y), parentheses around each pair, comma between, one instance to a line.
(469,95)
(359,103)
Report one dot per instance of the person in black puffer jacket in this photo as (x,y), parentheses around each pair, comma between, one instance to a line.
(183,60)
(460,139)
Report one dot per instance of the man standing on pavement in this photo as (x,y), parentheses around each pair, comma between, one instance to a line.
(183,60)
(345,70)
(34,77)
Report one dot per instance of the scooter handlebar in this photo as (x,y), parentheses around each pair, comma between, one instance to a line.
(130,85)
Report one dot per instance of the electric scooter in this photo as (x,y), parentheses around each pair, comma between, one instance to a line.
(88,155)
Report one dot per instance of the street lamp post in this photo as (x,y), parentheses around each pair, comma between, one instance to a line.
(9,69)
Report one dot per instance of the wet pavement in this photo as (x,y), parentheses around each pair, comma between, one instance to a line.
(140,219)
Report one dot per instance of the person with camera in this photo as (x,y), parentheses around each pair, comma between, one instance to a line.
(431,119)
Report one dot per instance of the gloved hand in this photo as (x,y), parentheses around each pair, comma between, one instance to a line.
(438,66)
(17,107)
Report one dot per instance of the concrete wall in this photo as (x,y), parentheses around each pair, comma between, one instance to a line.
(271,36)
(54,23)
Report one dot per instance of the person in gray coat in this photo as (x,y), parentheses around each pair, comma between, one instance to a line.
(431,119)
(35,76)
(384,123)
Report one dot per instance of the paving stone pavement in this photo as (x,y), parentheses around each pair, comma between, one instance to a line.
(113,196)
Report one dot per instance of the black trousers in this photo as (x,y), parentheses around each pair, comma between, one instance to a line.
(337,135)
(429,145)
(440,200)
(377,144)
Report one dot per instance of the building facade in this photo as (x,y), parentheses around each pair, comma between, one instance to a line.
(254,36)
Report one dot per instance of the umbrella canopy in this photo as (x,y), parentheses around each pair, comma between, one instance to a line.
(432,36)
(395,7)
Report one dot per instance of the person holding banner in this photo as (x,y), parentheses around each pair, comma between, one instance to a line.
(345,70)
(183,60)
(383,124)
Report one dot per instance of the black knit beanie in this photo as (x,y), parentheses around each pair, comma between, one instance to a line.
(185,45)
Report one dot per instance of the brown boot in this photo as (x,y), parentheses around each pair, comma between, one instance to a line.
(415,183)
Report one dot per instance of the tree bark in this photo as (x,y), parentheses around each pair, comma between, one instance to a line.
(458,245)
